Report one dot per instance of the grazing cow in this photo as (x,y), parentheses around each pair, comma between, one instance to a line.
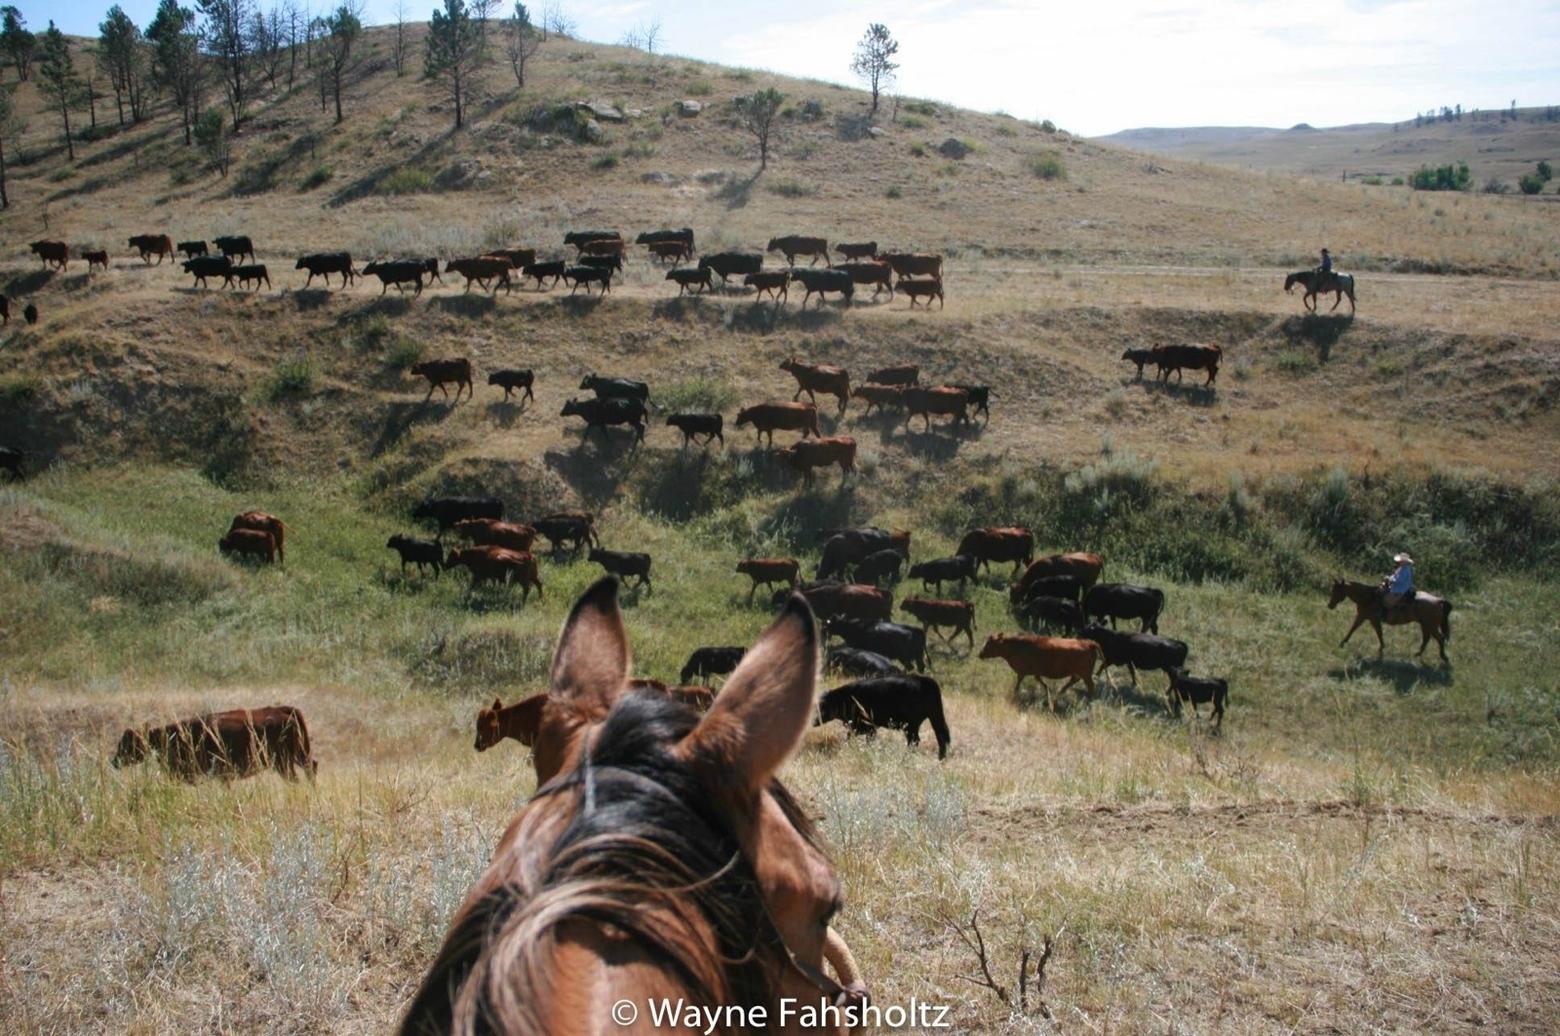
(692,425)
(1198,689)
(776,283)
(843,600)
(1039,611)
(519,258)
(999,544)
(55,252)
(442,372)
(487,532)
(914,264)
(671,251)
(245,274)
(877,274)
(918,288)
(821,282)
(1141,357)
(323,264)
(14,463)
(397,272)
(691,281)
(1045,658)
(729,264)
(153,244)
(5,310)
(958,616)
(580,238)
(867,539)
(192,248)
(521,721)
(1136,650)
(812,378)
(497,565)
(858,250)
(262,522)
(1067,588)
(249,542)
(418,552)
(615,388)
(511,380)
(588,275)
(599,414)
(447,510)
(711,661)
(897,702)
(902,374)
(960,568)
(1177,358)
(571,529)
(539,272)
(767,418)
(942,401)
(795,244)
(481,270)
(30,314)
(893,640)
(235,247)
(652,238)
(603,262)
(236,743)
(99,258)
(820,453)
(881,566)
(856,662)
(765,571)
(625,563)
(1085,568)
(979,397)
(880,396)
(1124,601)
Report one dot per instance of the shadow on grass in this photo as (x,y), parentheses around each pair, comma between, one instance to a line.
(399,419)
(1321,332)
(737,193)
(464,304)
(506,414)
(308,299)
(1197,395)
(1402,674)
(27,283)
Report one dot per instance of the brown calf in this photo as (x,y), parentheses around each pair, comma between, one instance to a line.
(820,453)
(941,401)
(497,565)
(1045,658)
(959,616)
(767,418)
(764,571)
(819,377)
(237,743)
(922,287)
(489,532)
(262,522)
(250,542)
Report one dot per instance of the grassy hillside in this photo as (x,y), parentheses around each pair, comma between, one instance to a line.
(1365,845)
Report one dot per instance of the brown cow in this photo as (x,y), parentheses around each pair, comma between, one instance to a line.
(998,544)
(764,571)
(794,245)
(604,246)
(154,244)
(262,522)
(819,377)
(1177,358)
(97,258)
(914,264)
(1045,658)
(880,275)
(820,453)
(489,532)
(767,418)
(236,743)
(880,396)
(56,252)
(917,287)
(846,601)
(942,401)
(482,269)
(935,614)
(776,282)
(251,542)
(1085,567)
(519,258)
(902,374)
(497,565)
(672,251)
(441,372)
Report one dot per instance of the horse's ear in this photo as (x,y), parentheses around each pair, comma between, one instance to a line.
(760,715)
(498,703)
(592,660)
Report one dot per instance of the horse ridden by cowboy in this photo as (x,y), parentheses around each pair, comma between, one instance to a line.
(1395,601)
(1323,280)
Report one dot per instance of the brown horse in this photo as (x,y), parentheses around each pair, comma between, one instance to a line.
(1433,614)
(1317,283)
(661,859)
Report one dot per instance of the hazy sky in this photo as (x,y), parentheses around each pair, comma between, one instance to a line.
(1098,67)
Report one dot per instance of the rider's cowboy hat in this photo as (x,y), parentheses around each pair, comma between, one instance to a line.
(1399,559)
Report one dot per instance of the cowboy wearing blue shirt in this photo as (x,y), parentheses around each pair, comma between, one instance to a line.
(1398,588)
(1326,267)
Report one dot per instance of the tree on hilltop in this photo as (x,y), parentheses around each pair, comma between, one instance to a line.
(874,61)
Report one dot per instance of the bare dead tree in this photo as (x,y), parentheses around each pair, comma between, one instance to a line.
(398,50)
(970,935)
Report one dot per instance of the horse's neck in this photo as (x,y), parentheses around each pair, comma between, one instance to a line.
(593,971)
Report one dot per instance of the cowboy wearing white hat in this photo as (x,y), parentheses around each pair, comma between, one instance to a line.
(1398,588)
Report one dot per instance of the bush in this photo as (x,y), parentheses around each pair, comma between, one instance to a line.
(1047,165)
(1545,172)
(1441,178)
(601,163)
(293,377)
(19,388)
(1495,186)
(918,150)
(403,352)
(696,395)
(1532,183)
(699,88)
(790,189)
(407,180)
(926,108)
(894,192)
(318,178)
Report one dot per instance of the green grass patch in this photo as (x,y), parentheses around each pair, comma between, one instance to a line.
(790,188)
(406,180)
(602,163)
(319,176)
(293,377)
(1047,165)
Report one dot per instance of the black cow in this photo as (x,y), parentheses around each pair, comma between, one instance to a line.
(192,248)
(1068,588)
(601,413)
(857,662)
(236,247)
(1124,601)
(539,272)
(894,640)
(711,661)
(603,262)
(879,566)
(624,563)
(959,568)
(579,238)
(731,264)
(657,237)
(324,264)
(1135,650)
(843,547)
(691,425)
(561,530)
(13,463)
(1038,610)
(203,266)
(588,275)
(397,272)
(1141,357)
(510,380)
(418,552)
(1197,689)
(245,274)
(979,397)
(615,388)
(821,282)
(899,702)
(447,510)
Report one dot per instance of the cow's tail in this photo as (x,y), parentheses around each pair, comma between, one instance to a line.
(934,712)
(300,746)
(1446,621)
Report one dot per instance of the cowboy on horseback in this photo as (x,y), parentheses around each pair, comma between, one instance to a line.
(1397,588)
(1326,268)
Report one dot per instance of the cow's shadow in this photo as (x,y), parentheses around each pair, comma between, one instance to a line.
(737,193)
(466,304)
(505,414)
(1133,696)
(1404,675)
(941,443)
(1197,395)
(1322,332)
(493,597)
(400,417)
(594,478)
(30,282)
(388,305)
(580,305)
(307,299)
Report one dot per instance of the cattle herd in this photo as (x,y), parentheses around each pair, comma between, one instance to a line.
(599,256)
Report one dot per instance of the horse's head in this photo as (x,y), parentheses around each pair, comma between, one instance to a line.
(1339,592)
(660,857)
(1290,281)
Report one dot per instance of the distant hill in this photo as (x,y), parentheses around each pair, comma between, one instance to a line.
(1492,147)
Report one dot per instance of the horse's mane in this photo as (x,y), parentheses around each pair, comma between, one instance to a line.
(646,855)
